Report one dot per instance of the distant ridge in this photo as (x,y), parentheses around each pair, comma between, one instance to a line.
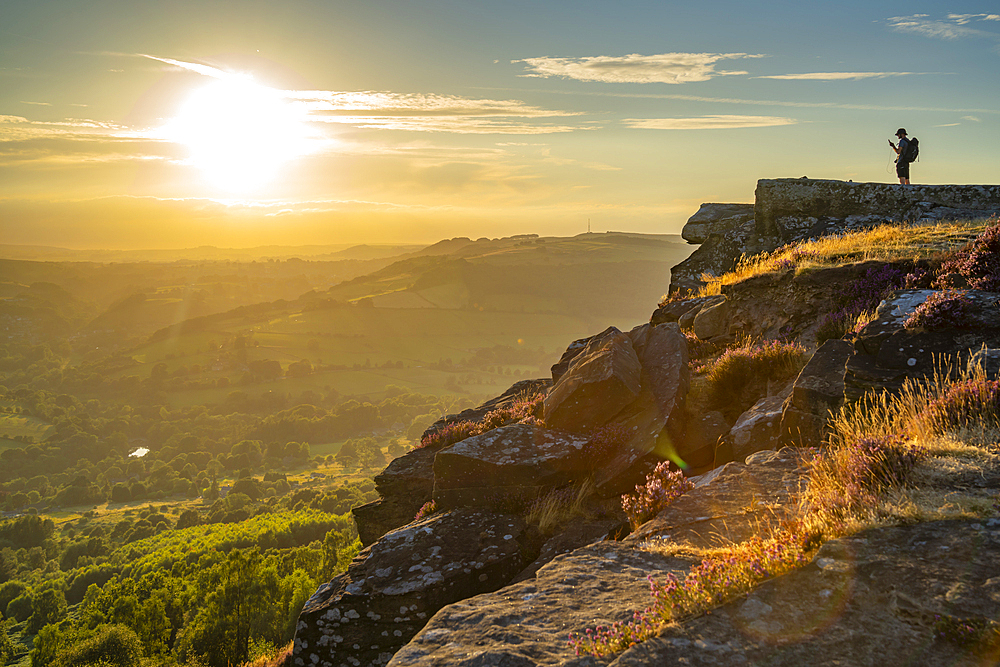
(205,253)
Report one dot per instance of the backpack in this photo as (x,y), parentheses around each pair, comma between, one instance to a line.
(912,150)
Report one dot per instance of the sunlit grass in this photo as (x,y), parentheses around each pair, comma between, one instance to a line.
(885,242)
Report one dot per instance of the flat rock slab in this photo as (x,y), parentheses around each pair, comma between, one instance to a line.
(393,587)
(529,623)
(869,600)
(731,503)
(404,486)
(509,457)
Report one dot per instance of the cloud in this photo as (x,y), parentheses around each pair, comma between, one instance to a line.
(971,118)
(635,68)
(770,103)
(718,122)
(419,112)
(37,104)
(955,26)
(833,76)
(429,113)
(963,19)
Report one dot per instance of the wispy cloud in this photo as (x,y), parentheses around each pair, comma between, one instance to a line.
(718,122)
(37,104)
(833,76)
(769,103)
(971,118)
(430,113)
(635,68)
(963,19)
(953,26)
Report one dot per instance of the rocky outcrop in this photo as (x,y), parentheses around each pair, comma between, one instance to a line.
(793,209)
(527,623)
(717,220)
(438,580)
(404,486)
(886,353)
(393,587)
(408,481)
(719,253)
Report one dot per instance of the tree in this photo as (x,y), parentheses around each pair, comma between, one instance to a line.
(49,607)
(113,646)
(236,602)
(46,645)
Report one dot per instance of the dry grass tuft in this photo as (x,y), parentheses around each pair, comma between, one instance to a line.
(556,508)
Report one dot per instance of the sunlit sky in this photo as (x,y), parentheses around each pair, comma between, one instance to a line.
(176,124)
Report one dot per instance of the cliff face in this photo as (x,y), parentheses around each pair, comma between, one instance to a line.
(531,542)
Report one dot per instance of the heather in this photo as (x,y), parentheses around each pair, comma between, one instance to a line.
(525,409)
(978,262)
(947,309)
(858,297)
(662,487)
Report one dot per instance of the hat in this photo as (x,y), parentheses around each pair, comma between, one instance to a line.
(900,131)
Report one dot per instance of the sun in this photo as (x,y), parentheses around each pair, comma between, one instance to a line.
(239,133)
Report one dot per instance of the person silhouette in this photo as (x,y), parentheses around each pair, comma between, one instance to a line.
(902,164)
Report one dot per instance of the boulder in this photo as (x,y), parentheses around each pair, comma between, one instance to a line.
(818,390)
(601,380)
(673,311)
(575,348)
(520,462)
(712,320)
(730,503)
(527,623)
(395,586)
(701,442)
(756,429)
(653,418)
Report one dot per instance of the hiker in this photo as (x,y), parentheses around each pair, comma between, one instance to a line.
(902,150)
